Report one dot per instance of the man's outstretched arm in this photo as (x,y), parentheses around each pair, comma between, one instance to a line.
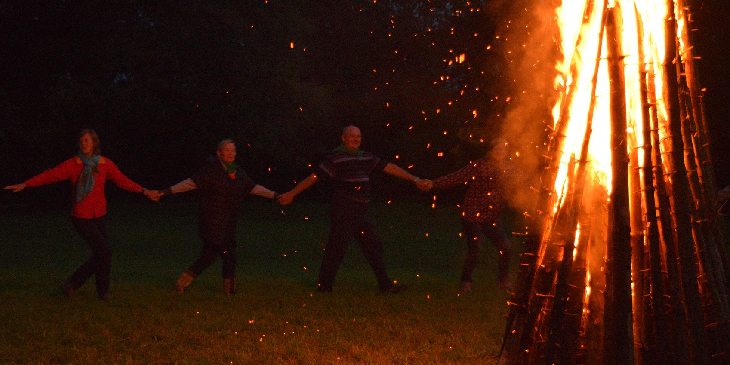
(288,197)
(393,169)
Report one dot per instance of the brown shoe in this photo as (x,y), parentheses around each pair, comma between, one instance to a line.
(68,290)
(229,286)
(184,281)
(465,287)
(506,285)
(394,289)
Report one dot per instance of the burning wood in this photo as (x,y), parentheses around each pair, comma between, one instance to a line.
(624,261)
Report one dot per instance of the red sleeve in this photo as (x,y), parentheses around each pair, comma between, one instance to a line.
(121,180)
(457,177)
(59,173)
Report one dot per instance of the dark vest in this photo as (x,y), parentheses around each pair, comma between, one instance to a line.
(220,198)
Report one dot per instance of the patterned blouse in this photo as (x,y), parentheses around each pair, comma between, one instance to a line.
(484,197)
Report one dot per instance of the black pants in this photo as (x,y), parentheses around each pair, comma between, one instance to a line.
(494,233)
(349,220)
(210,252)
(94,232)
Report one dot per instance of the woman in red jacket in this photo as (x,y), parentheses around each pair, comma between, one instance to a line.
(88,172)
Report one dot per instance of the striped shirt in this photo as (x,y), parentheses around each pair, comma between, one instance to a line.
(350,174)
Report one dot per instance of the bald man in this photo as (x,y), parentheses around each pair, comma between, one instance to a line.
(348,169)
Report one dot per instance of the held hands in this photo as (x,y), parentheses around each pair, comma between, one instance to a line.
(15,188)
(153,195)
(424,184)
(286,198)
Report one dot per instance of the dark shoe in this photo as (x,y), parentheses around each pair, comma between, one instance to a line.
(394,289)
(506,285)
(68,290)
(184,281)
(324,289)
(465,288)
(229,286)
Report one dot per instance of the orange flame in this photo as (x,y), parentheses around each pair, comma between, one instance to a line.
(580,30)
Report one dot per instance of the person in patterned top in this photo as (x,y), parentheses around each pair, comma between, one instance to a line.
(483,202)
(348,169)
(88,173)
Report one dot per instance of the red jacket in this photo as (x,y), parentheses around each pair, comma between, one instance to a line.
(94,204)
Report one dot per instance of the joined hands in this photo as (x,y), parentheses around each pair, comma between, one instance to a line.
(424,184)
(15,188)
(153,195)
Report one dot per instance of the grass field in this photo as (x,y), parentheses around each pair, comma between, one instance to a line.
(275,317)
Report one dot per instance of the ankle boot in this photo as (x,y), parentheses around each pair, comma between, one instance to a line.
(68,290)
(184,281)
(229,286)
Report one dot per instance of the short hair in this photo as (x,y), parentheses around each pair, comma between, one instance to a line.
(344,130)
(94,139)
(224,142)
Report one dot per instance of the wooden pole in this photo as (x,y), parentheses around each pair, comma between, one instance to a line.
(711,246)
(669,261)
(575,302)
(703,141)
(679,201)
(658,327)
(618,293)
(706,173)
(638,270)
(539,322)
(566,234)
(517,324)
(571,305)
(701,183)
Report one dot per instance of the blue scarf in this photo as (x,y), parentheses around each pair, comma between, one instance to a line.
(230,167)
(86,179)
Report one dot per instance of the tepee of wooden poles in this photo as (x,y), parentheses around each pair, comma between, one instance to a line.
(633,272)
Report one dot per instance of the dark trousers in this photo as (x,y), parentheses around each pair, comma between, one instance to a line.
(495,233)
(347,221)
(210,252)
(94,232)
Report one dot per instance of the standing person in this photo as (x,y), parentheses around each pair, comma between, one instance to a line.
(88,173)
(223,185)
(483,202)
(349,170)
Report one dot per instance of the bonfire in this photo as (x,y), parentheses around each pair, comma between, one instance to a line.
(624,256)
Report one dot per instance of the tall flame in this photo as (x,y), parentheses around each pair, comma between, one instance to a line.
(584,101)
(580,24)
(606,237)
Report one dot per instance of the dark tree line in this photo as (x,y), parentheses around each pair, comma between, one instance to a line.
(163,81)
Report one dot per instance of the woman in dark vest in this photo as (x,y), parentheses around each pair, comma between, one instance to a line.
(222,185)
(88,172)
